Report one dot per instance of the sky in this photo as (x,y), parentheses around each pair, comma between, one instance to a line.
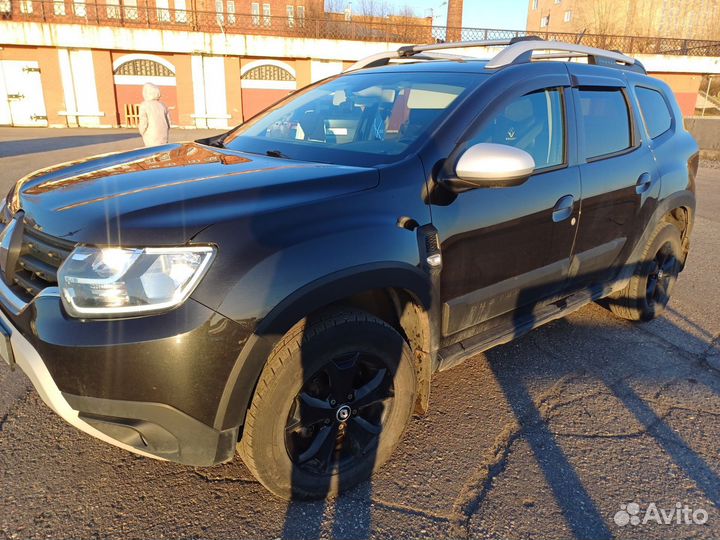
(500,14)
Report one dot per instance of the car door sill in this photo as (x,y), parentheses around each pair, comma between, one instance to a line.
(456,353)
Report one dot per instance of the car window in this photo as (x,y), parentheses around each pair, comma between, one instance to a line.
(370,113)
(654,110)
(533,123)
(604,120)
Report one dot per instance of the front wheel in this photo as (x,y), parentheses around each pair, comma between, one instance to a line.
(330,407)
(650,286)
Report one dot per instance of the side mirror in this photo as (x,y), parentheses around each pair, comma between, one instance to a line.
(490,165)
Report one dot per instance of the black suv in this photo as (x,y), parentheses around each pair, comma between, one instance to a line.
(287,289)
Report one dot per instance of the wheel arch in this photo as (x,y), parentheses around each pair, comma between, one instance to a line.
(682,217)
(398,293)
(677,208)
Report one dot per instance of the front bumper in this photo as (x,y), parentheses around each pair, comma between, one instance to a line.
(55,351)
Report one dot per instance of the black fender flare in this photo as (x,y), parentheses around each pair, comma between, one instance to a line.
(321,292)
(673,201)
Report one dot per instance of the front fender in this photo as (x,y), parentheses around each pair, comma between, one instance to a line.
(274,268)
(315,295)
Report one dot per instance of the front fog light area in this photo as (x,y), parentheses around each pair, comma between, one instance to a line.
(107,282)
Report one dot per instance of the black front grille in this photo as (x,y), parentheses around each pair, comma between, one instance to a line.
(40,257)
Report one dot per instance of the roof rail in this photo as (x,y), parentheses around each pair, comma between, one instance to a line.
(517,51)
(383,58)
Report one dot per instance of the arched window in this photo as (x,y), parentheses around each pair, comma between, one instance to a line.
(144,68)
(268,72)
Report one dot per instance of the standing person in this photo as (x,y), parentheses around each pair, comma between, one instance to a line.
(154,117)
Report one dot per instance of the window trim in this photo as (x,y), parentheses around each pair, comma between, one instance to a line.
(642,114)
(635,140)
(482,120)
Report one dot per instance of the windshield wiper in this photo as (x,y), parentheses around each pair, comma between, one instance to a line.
(276,153)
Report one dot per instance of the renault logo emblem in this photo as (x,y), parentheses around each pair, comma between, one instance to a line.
(10,244)
(343,413)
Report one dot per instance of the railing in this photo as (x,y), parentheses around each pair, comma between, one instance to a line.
(328,26)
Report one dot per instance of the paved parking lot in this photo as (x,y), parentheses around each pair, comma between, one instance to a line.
(544,437)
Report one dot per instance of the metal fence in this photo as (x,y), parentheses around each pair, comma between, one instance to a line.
(328,26)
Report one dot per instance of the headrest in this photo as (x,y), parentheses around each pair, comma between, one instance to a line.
(519,110)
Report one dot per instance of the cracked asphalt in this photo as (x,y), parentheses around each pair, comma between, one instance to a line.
(545,437)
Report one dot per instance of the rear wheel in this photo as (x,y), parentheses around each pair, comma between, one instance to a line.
(650,287)
(330,407)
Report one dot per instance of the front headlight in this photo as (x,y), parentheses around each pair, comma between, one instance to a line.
(111,282)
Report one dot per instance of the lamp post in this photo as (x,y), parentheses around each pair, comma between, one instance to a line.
(433,16)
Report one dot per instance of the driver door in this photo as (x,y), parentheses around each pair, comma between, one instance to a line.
(505,249)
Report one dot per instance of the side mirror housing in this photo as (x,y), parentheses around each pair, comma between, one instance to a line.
(490,165)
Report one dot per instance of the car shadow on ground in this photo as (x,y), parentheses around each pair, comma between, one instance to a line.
(48,144)
(610,369)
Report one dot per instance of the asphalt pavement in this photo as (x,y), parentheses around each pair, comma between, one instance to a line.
(589,427)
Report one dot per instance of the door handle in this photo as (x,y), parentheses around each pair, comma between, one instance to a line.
(563,208)
(643,183)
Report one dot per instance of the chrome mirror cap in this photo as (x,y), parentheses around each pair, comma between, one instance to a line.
(493,164)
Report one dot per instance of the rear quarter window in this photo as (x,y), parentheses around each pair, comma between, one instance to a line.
(605,121)
(654,110)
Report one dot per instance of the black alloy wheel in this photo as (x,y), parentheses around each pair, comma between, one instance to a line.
(339,413)
(662,273)
(330,406)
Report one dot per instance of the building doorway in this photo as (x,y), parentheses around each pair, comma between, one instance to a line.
(264,82)
(130,73)
(21,96)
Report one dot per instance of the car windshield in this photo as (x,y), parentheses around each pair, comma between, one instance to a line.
(364,118)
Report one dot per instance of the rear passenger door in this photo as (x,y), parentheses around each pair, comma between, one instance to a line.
(617,172)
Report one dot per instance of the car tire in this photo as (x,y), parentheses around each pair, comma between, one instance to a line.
(649,289)
(297,403)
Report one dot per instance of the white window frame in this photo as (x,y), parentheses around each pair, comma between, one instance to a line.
(567,17)
(544,21)
(255,12)
(58,7)
(535,5)
(558,1)
(163,10)
(231,12)
(220,11)
(131,9)
(290,15)
(301,16)
(80,8)
(267,21)
(112,7)
(181,15)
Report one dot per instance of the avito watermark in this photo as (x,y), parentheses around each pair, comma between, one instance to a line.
(680,514)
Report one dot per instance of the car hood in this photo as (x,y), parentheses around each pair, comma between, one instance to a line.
(166,194)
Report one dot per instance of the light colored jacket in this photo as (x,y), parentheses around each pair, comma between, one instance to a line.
(154,117)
